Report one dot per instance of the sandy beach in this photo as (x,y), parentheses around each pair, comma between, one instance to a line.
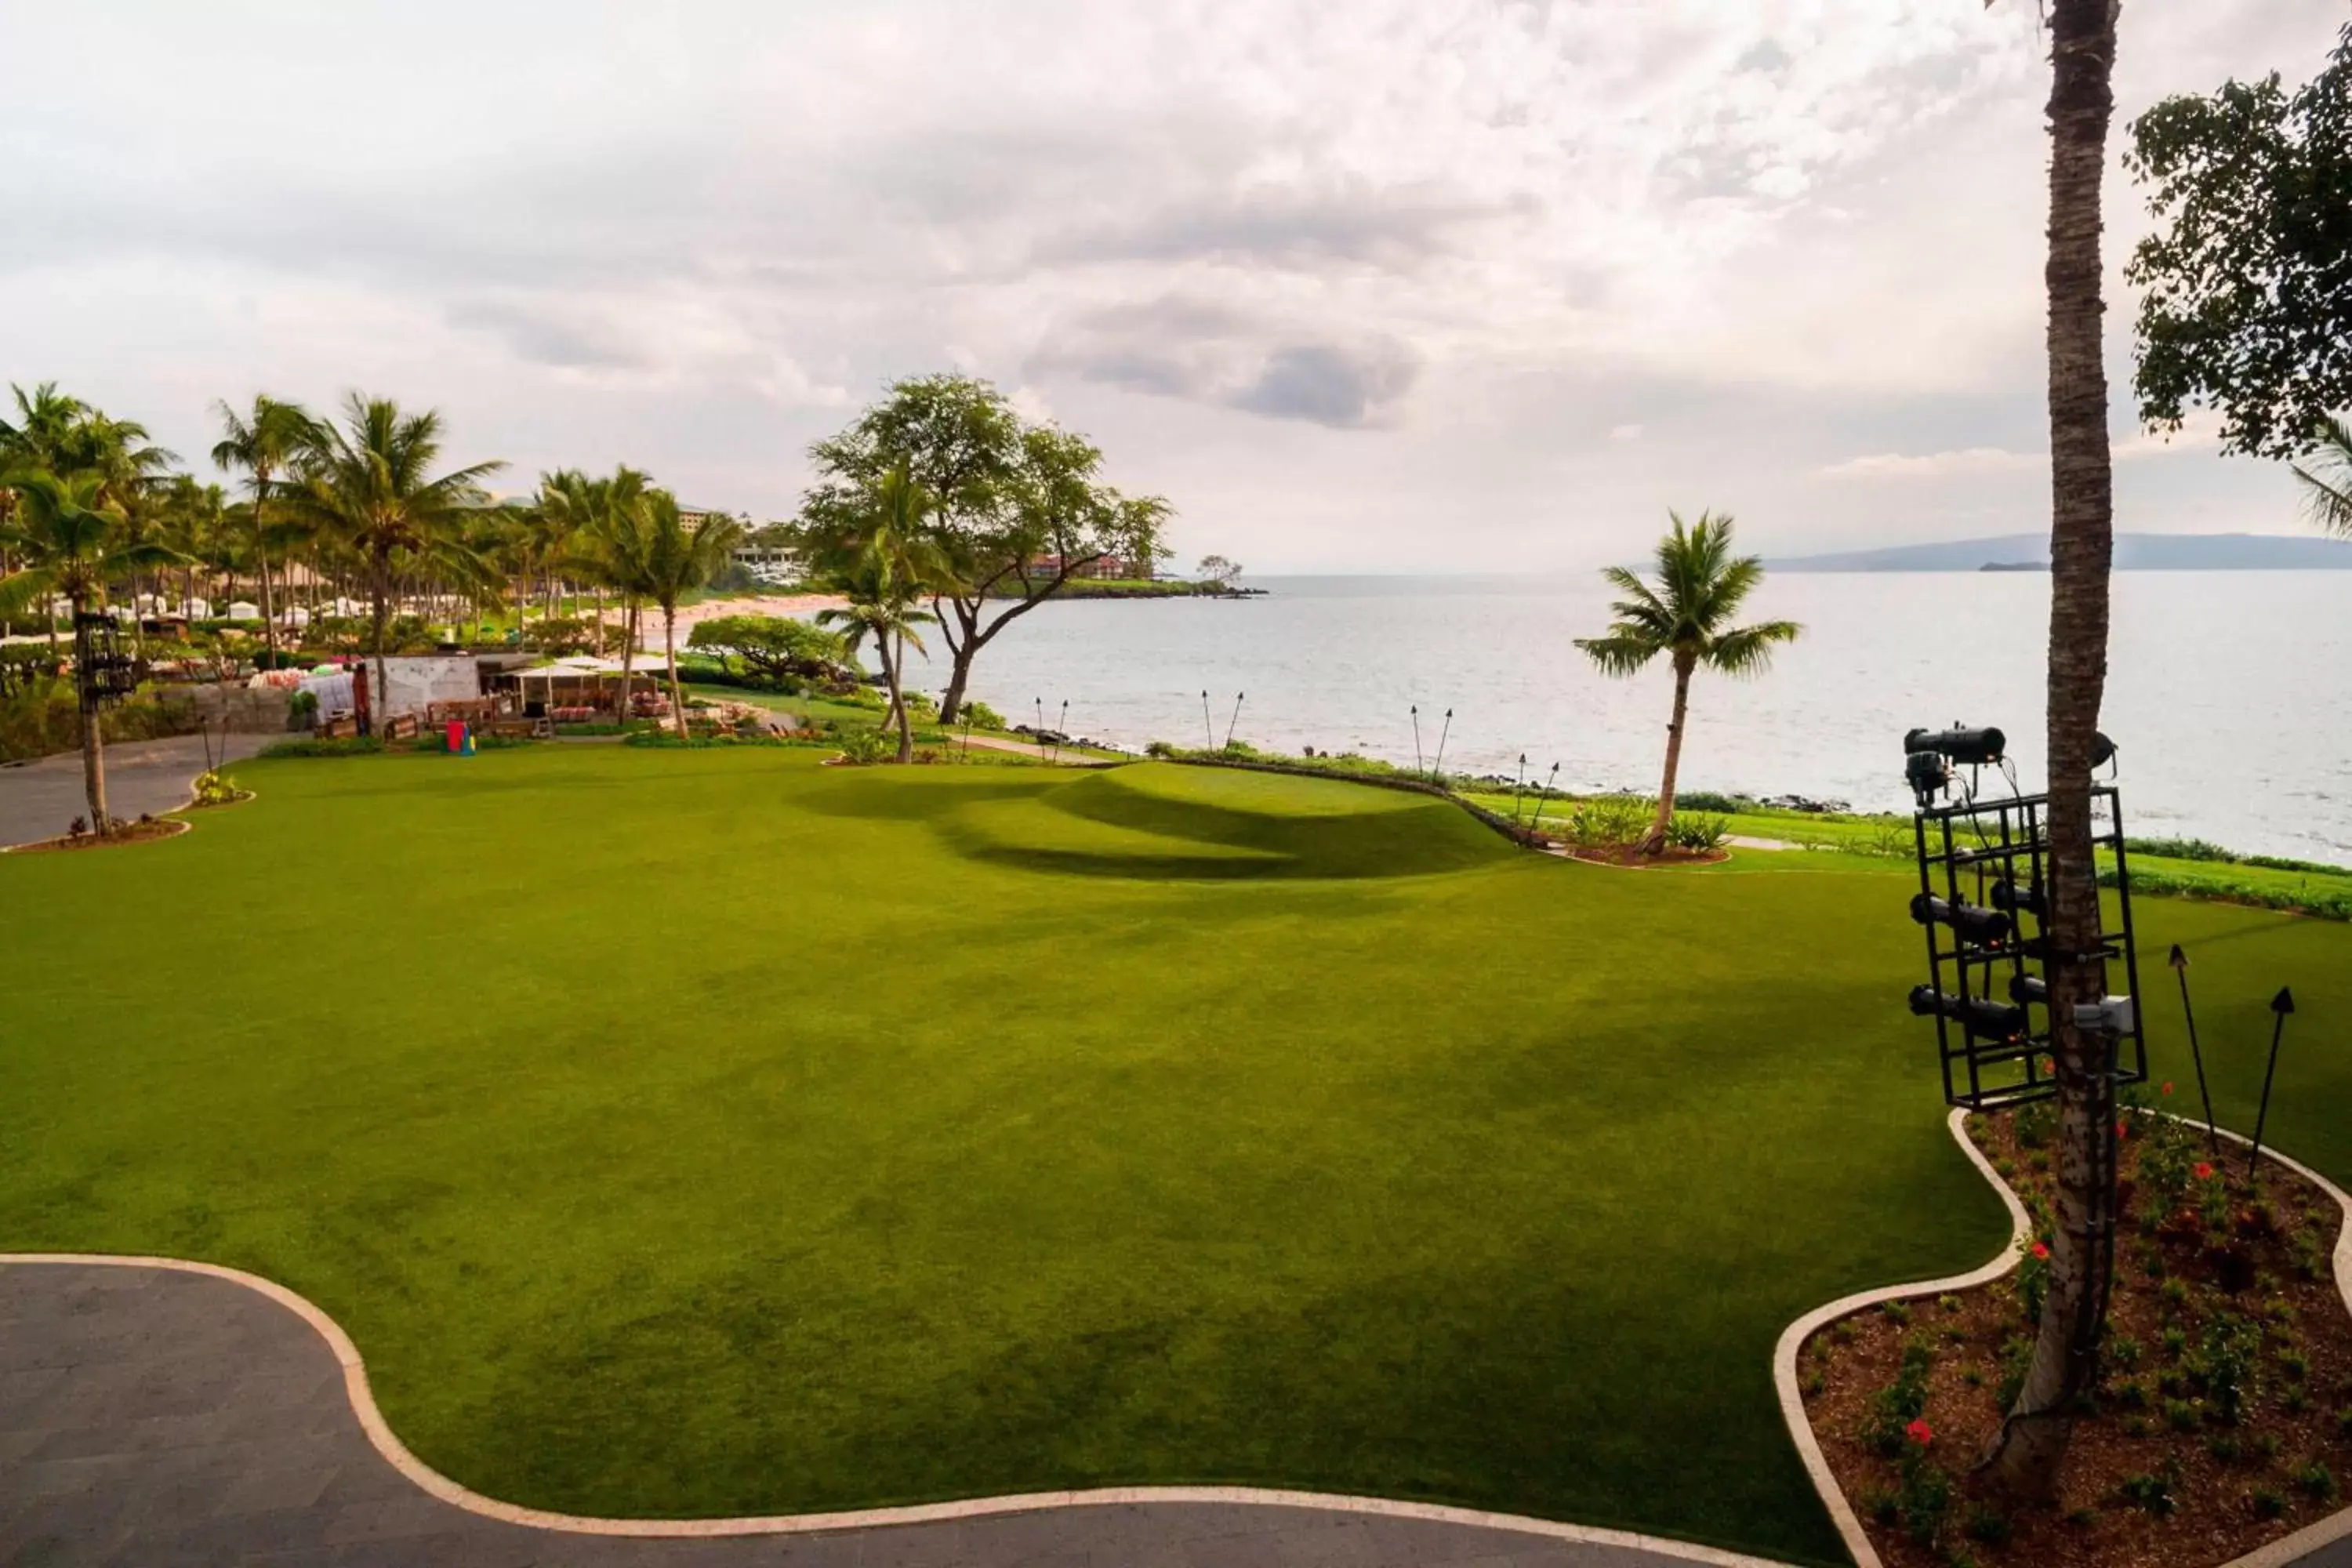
(650,623)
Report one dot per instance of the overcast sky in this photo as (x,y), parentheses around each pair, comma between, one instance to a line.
(1433,283)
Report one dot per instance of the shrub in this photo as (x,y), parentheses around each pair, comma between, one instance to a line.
(2316,1481)
(2267,1502)
(1701,833)
(2230,1362)
(981,716)
(1609,822)
(2150,1491)
(2225,1447)
(2123,1351)
(1902,1402)
(211,789)
(1708,801)
(864,747)
(1989,1525)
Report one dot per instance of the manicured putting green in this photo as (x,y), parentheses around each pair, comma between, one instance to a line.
(708,1133)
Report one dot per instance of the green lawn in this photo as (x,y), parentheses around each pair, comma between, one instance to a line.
(706,1131)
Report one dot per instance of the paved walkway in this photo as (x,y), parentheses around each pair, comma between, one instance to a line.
(151,1416)
(40,799)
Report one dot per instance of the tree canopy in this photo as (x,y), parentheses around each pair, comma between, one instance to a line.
(2247,283)
(1016,509)
(772,646)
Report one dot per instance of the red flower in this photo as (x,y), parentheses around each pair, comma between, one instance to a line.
(1920,1431)
(2167,1088)
(2041,1251)
(2204,1169)
(2119,1130)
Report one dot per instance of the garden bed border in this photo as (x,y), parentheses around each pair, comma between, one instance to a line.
(2280,1553)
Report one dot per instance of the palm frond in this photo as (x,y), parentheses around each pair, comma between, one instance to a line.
(2327,483)
(1622,653)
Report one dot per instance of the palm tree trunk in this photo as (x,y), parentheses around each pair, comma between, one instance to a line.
(628,652)
(1654,840)
(2032,1448)
(899,700)
(669,652)
(261,554)
(93,744)
(380,594)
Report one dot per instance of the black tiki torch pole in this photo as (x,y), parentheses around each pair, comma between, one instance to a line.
(2179,962)
(2281,1005)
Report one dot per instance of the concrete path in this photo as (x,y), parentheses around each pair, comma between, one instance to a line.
(153,1416)
(40,799)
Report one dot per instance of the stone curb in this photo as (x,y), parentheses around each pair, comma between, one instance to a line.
(2280,1553)
(433,1482)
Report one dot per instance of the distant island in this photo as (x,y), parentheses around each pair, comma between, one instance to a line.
(2134,552)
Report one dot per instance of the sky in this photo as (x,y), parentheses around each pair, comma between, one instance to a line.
(1437,285)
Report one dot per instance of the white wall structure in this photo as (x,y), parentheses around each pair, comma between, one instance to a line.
(412,682)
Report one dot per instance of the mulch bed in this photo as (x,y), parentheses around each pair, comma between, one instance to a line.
(145,832)
(1630,855)
(2224,1286)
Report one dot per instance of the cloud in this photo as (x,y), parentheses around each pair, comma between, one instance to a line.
(1968,460)
(547,334)
(1205,352)
(1205,232)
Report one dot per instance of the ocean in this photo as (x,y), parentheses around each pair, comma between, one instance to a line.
(2230,693)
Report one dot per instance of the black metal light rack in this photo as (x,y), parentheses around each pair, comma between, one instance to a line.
(103,672)
(1993,856)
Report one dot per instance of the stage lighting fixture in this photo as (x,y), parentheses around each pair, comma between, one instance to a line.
(1968,748)
(2015,896)
(2024,988)
(1981,926)
(1980,1015)
(1927,774)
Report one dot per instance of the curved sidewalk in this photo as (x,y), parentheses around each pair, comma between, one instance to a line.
(153,1416)
(40,799)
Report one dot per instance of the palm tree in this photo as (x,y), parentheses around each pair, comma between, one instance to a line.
(609,545)
(262,445)
(1687,617)
(2327,482)
(364,485)
(889,574)
(669,560)
(74,542)
(2031,1444)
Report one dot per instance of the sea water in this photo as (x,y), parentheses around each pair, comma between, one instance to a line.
(2230,693)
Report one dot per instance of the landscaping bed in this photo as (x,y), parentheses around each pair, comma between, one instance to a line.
(144,831)
(2224,1416)
(1633,855)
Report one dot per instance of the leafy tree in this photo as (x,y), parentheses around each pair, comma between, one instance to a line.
(1217,569)
(367,484)
(670,559)
(261,444)
(2032,1446)
(2247,301)
(892,571)
(1016,511)
(774,647)
(74,543)
(1687,617)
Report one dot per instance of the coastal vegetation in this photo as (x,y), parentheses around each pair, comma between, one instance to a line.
(1016,511)
(1687,618)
